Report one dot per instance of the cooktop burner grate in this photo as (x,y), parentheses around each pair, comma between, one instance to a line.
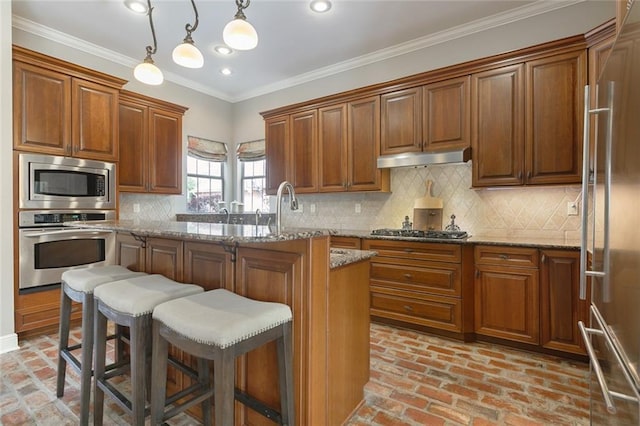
(416,233)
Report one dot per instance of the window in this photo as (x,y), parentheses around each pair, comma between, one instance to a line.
(205,185)
(253,183)
(205,174)
(252,166)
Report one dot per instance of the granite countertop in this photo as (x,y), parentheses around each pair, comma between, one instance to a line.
(201,231)
(520,241)
(342,257)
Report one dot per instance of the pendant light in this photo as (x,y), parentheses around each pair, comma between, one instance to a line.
(240,34)
(147,72)
(187,54)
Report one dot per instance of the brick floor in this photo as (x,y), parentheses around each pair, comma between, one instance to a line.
(416,379)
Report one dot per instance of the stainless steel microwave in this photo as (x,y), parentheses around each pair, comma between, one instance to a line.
(49,181)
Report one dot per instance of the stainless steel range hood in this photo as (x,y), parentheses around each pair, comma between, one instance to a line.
(413,159)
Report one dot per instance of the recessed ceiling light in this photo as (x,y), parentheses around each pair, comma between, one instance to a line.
(320,6)
(225,71)
(136,6)
(223,50)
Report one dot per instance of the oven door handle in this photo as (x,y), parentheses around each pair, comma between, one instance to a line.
(66,232)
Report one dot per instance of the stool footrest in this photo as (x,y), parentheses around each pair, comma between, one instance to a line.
(182,367)
(118,396)
(74,362)
(200,393)
(257,406)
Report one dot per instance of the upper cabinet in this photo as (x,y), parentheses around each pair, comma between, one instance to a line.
(433,117)
(150,139)
(63,109)
(291,146)
(349,135)
(526,126)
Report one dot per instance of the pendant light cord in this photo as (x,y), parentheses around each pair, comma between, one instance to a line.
(189,27)
(241,5)
(150,50)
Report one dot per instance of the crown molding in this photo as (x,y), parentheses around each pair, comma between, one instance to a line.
(526,11)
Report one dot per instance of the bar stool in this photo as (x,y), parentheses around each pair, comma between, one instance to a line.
(129,303)
(220,325)
(78,285)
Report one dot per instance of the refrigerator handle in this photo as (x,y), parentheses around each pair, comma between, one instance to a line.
(606,394)
(585,196)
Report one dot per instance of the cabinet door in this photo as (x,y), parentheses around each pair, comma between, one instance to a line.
(130,253)
(41,110)
(332,139)
(165,152)
(270,276)
(401,121)
(276,151)
(304,151)
(497,126)
(208,265)
(446,114)
(95,121)
(554,115)
(133,141)
(560,304)
(507,303)
(363,142)
(165,257)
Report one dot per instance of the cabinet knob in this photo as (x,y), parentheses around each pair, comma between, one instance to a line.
(408,250)
(408,276)
(503,257)
(408,308)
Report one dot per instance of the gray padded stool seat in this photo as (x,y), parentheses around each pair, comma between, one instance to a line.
(220,325)
(129,303)
(78,286)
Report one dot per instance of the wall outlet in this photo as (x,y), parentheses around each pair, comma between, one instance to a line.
(136,208)
(358,207)
(312,208)
(572,208)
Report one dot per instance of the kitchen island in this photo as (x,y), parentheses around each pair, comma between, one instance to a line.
(328,295)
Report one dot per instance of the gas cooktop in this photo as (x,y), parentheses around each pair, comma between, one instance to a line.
(416,233)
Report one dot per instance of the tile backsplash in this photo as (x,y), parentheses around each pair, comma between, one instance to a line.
(518,211)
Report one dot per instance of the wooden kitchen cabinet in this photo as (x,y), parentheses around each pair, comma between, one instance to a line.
(433,117)
(507,293)
(150,139)
(422,285)
(62,109)
(346,242)
(292,151)
(497,126)
(560,305)
(526,121)
(349,141)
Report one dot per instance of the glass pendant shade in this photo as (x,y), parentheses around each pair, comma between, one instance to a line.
(148,73)
(240,35)
(187,55)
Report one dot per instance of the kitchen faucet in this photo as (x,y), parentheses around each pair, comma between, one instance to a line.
(258,216)
(226,212)
(293,202)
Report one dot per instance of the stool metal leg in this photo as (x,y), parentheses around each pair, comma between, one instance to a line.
(224,374)
(139,333)
(100,336)
(63,335)
(285,375)
(159,373)
(87,354)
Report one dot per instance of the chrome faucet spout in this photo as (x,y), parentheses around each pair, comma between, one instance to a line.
(226,212)
(293,202)
(258,216)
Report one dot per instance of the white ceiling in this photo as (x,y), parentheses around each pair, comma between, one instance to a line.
(295,44)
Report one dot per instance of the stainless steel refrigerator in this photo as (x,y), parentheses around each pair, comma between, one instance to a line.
(610,259)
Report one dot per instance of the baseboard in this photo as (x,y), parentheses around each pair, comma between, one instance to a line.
(9,343)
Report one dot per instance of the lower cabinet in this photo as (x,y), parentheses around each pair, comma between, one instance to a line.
(560,306)
(507,293)
(422,285)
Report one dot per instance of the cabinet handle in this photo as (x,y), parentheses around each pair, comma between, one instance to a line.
(504,257)
(408,276)
(477,273)
(520,175)
(408,308)
(544,258)
(529,175)
(408,250)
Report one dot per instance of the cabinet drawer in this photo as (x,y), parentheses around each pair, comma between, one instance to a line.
(444,313)
(439,252)
(436,278)
(512,256)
